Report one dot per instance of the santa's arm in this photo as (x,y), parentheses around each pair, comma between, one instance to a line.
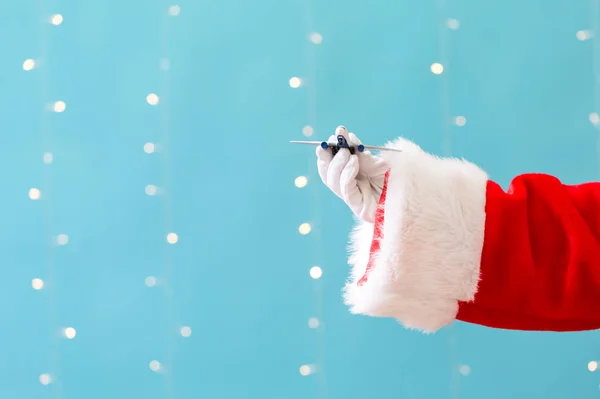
(449,244)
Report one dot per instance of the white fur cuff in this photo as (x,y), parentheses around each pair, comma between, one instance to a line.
(433,235)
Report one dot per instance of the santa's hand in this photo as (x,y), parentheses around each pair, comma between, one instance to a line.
(357,179)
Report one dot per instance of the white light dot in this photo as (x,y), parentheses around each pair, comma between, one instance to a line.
(316,272)
(70,332)
(56,19)
(150,281)
(174,10)
(306,369)
(313,322)
(304,228)
(437,68)
(460,121)
(301,181)
(151,189)
(172,238)
(185,331)
(307,131)
(37,284)
(47,158)
(34,194)
(295,82)
(45,379)
(594,118)
(152,99)
(154,365)
(149,148)
(62,239)
(453,24)
(316,38)
(593,366)
(59,106)
(464,370)
(164,64)
(583,35)
(29,64)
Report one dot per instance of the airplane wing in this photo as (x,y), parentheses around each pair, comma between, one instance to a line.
(367,147)
(309,142)
(373,148)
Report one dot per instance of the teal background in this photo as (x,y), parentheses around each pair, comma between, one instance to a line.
(238,276)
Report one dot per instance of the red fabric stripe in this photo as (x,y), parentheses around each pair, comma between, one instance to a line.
(377,231)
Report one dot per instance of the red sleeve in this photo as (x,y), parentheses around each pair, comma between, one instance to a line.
(540,262)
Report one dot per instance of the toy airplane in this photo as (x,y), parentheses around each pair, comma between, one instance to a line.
(343,143)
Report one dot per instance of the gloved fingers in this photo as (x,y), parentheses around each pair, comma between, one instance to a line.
(334,171)
(369,201)
(353,140)
(348,185)
(324,158)
(370,165)
(324,154)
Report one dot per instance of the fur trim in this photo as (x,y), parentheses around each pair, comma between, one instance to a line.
(432,241)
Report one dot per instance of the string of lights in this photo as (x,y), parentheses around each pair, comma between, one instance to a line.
(594,117)
(444,62)
(163,150)
(584,35)
(49,283)
(315,322)
(441,68)
(315,38)
(171,237)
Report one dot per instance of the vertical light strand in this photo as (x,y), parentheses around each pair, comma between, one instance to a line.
(442,17)
(313,39)
(52,376)
(165,127)
(596,72)
(444,59)
(593,365)
(594,115)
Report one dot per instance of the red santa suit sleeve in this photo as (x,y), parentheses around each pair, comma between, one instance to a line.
(449,244)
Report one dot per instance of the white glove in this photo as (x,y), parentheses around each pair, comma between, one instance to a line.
(357,179)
